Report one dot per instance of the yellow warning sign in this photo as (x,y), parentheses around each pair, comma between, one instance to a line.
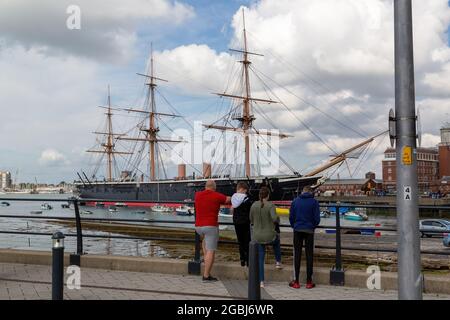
(407,155)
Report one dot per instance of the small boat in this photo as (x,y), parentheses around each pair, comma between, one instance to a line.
(225,212)
(325,214)
(282,211)
(86,212)
(36,212)
(46,206)
(355,216)
(100,204)
(112,209)
(65,206)
(184,211)
(159,208)
(121,204)
(4,204)
(140,212)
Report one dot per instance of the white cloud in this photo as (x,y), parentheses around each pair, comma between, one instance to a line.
(108,30)
(51,157)
(336,56)
(430,140)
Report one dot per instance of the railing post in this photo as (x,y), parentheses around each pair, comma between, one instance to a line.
(75,259)
(194,266)
(58,266)
(254,288)
(337,273)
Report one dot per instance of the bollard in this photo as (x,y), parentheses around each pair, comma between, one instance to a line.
(75,258)
(254,288)
(58,266)
(194,266)
(337,274)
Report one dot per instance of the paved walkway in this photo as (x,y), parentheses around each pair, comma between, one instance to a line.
(25,282)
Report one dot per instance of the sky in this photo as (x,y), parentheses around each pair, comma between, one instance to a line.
(331,62)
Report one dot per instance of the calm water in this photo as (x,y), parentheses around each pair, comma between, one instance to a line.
(105,246)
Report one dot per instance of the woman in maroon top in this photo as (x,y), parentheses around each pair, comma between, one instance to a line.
(207,206)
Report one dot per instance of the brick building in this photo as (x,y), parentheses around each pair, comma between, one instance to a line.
(433,166)
(427,168)
(444,152)
(353,186)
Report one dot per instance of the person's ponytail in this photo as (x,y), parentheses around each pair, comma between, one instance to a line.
(263,194)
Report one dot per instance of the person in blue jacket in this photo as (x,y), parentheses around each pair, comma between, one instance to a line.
(304,217)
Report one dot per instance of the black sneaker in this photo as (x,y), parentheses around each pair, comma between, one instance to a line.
(243,263)
(209,279)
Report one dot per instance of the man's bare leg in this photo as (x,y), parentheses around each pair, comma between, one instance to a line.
(209,261)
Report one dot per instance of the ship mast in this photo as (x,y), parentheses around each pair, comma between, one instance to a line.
(247,118)
(342,156)
(108,145)
(152,131)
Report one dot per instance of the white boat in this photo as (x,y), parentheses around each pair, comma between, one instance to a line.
(225,212)
(86,212)
(159,208)
(185,211)
(112,209)
(121,204)
(355,216)
(46,206)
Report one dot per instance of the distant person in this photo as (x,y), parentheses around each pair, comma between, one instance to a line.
(304,217)
(207,206)
(241,203)
(263,218)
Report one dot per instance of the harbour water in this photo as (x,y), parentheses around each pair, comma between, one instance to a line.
(109,246)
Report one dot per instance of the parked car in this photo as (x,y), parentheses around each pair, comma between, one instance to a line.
(446,240)
(427,227)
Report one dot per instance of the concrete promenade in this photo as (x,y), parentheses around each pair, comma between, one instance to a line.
(29,282)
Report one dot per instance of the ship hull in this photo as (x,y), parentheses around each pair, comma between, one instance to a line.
(282,189)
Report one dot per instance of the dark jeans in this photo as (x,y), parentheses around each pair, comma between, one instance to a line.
(243,237)
(308,239)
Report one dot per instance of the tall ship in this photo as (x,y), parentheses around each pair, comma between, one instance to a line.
(147,144)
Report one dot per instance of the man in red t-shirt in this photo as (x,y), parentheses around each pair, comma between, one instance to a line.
(207,206)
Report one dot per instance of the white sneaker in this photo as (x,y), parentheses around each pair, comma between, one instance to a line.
(261,284)
(278,265)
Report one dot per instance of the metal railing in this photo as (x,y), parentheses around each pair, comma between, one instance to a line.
(337,276)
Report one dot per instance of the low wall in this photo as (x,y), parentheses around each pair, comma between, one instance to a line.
(353,278)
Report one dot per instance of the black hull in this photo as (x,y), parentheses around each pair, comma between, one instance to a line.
(284,189)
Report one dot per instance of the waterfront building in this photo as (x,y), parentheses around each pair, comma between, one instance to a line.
(444,152)
(433,166)
(5,180)
(351,187)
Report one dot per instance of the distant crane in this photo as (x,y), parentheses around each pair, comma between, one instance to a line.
(16,178)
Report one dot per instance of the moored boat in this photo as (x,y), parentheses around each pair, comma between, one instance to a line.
(355,216)
(4,204)
(162,209)
(121,204)
(112,209)
(225,212)
(282,211)
(185,210)
(46,206)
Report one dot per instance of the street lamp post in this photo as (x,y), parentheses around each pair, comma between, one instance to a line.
(409,264)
